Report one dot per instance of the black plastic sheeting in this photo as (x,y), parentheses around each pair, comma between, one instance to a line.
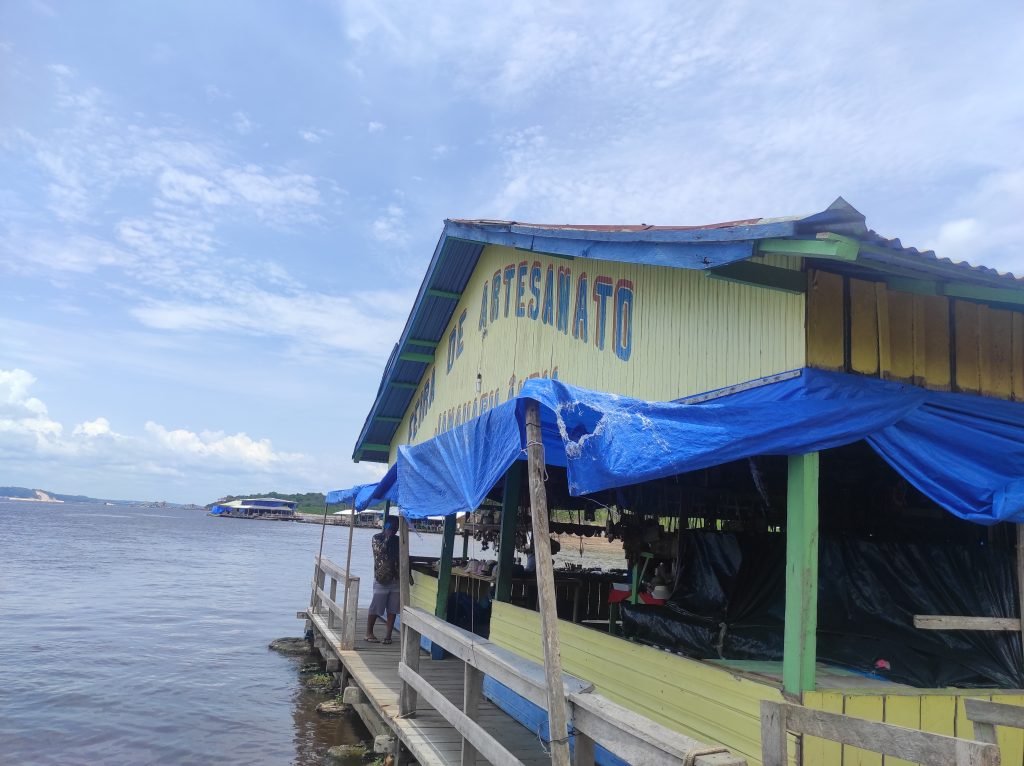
(729,603)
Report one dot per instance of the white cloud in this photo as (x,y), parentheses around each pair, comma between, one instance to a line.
(375,127)
(390,226)
(310,136)
(242,124)
(93,428)
(62,70)
(312,320)
(28,433)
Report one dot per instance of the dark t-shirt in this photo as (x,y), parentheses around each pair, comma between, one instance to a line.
(385,558)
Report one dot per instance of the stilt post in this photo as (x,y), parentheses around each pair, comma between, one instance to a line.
(1020,578)
(509,521)
(800,645)
(557,726)
(444,577)
(410,638)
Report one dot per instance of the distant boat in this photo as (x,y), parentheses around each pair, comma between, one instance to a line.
(266,508)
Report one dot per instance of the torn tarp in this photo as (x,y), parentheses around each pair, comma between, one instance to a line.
(963,451)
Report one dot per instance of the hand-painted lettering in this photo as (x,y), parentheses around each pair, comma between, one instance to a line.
(521,288)
(547,313)
(533,309)
(509,277)
(624,319)
(564,296)
(579,317)
(602,292)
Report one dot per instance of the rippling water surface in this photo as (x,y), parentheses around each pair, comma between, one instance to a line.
(138,636)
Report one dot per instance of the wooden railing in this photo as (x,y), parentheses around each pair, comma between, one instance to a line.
(986,716)
(322,601)
(594,719)
(777,718)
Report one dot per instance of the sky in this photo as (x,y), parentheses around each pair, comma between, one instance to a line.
(214,217)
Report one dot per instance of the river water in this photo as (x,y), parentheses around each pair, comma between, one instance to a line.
(139,636)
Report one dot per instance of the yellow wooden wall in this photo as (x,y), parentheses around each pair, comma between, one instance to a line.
(699,700)
(691,334)
(928,340)
(939,711)
(423,593)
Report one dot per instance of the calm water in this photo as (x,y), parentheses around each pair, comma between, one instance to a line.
(138,636)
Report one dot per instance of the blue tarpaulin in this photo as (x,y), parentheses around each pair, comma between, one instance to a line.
(965,452)
(362,496)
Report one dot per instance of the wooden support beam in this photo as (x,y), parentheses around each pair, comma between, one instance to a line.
(447,294)
(472,691)
(558,731)
(987,715)
(509,520)
(800,642)
(413,356)
(444,578)
(761,275)
(956,622)
(824,245)
(387,419)
(374,447)
(421,342)
(403,385)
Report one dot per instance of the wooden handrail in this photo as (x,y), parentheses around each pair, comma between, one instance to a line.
(347,612)
(595,718)
(986,716)
(909,744)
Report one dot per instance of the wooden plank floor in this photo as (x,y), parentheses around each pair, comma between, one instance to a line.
(429,737)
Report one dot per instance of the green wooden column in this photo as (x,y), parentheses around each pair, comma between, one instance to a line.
(801,645)
(509,520)
(444,577)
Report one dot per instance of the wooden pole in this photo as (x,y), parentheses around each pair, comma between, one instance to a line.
(557,728)
(800,646)
(348,564)
(509,521)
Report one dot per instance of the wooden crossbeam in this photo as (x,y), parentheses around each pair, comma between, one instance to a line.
(956,622)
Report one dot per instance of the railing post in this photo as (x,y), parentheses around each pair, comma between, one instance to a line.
(583,751)
(799,654)
(334,598)
(773,734)
(472,690)
(351,613)
(411,659)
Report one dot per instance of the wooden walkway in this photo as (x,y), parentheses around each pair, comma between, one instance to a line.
(430,739)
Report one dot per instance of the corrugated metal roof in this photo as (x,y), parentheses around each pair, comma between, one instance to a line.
(697,247)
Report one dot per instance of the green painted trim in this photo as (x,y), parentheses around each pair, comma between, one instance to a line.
(509,518)
(444,577)
(435,293)
(374,447)
(412,356)
(405,386)
(800,646)
(421,342)
(825,245)
(387,419)
(1003,295)
(761,275)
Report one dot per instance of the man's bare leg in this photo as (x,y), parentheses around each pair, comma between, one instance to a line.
(371,620)
(390,624)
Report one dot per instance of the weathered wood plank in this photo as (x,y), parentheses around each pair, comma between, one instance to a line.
(956,622)
(484,743)
(995,352)
(901,336)
(637,739)
(863,327)
(967,372)
(882,316)
(1017,356)
(993,714)
(909,744)
(932,367)
(825,329)
(773,734)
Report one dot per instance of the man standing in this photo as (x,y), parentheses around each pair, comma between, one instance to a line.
(386,601)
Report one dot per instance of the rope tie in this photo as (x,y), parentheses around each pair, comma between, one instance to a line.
(691,757)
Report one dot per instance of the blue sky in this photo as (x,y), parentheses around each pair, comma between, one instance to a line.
(214,216)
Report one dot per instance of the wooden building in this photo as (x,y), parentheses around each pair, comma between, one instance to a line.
(671,313)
